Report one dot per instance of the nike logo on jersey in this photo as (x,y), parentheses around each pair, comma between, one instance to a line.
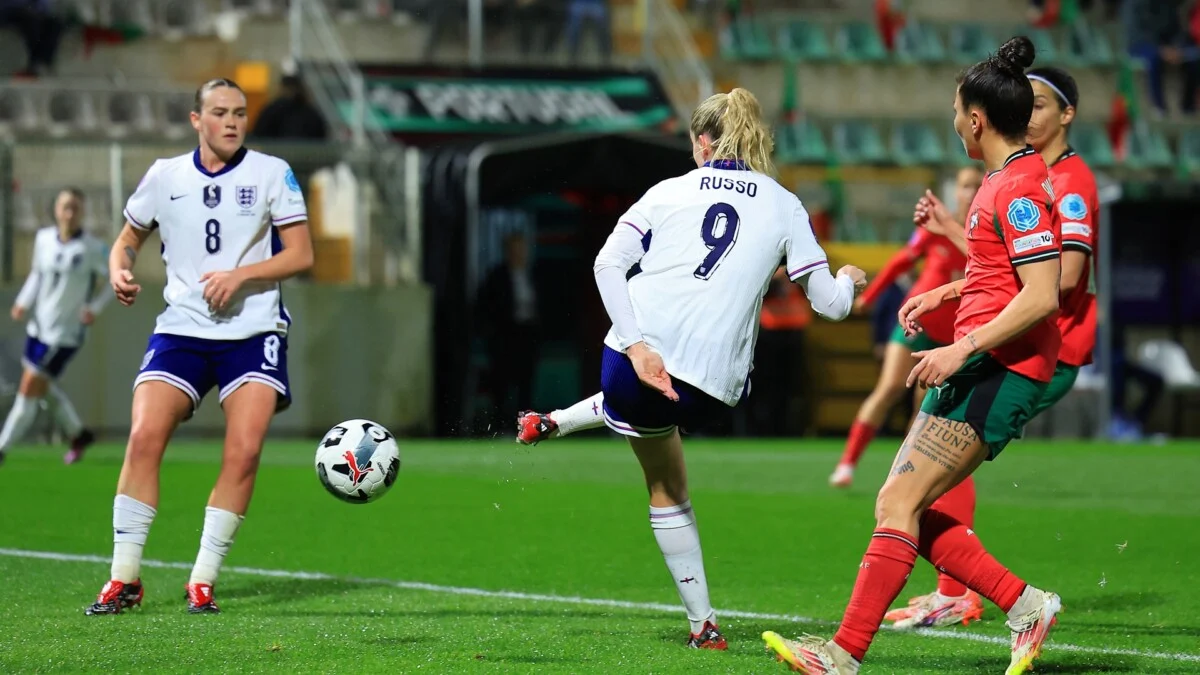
(174,197)
(266,367)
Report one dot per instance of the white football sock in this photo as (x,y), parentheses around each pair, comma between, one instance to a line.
(65,414)
(679,539)
(587,414)
(220,526)
(131,526)
(20,418)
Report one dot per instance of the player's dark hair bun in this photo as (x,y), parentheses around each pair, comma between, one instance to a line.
(998,86)
(1016,55)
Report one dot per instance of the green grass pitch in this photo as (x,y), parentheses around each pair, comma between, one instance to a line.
(490,557)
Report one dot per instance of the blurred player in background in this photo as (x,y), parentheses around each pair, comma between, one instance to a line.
(683,331)
(983,388)
(233,225)
(62,296)
(1055,99)
(943,263)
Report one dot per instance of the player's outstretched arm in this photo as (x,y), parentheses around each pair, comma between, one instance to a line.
(832,298)
(120,262)
(296,257)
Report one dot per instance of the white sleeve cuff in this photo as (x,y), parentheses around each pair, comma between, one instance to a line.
(829,297)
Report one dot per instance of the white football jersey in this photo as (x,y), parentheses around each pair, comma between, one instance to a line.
(64,278)
(213,222)
(715,237)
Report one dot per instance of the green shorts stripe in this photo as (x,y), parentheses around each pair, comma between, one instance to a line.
(994,400)
(917,343)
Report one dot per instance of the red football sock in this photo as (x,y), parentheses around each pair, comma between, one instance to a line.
(959,504)
(953,547)
(885,567)
(860,437)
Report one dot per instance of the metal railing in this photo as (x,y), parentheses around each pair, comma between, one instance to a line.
(338,88)
(668,48)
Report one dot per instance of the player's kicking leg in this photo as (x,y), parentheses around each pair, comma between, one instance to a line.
(534,427)
(158,408)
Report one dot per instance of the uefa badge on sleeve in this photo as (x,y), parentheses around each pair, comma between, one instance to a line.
(1023,215)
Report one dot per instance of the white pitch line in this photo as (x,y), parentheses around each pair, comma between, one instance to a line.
(576,600)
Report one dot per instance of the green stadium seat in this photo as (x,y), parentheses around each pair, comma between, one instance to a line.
(746,39)
(1147,148)
(804,41)
(1043,41)
(801,143)
(860,42)
(915,143)
(1092,144)
(919,43)
(858,142)
(1088,47)
(1189,152)
(970,43)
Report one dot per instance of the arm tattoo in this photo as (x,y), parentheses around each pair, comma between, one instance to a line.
(131,254)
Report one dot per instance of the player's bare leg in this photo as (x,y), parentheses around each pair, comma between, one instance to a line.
(24,412)
(248,413)
(674,526)
(936,456)
(158,408)
(889,389)
(534,427)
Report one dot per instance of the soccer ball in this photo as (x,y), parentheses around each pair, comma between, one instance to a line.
(357,461)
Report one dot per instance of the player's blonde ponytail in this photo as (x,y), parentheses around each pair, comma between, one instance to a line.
(734,124)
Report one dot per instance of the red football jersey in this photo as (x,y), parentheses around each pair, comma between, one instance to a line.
(1078,204)
(943,264)
(1011,223)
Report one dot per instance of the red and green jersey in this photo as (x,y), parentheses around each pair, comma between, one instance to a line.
(1011,223)
(1078,204)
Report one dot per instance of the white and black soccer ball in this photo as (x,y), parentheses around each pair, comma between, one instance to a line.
(357,461)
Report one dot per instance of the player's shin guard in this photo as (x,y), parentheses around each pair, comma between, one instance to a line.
(952,547)
(679,539)
(586,414)
(220,527)
(881,575)
(131,526)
